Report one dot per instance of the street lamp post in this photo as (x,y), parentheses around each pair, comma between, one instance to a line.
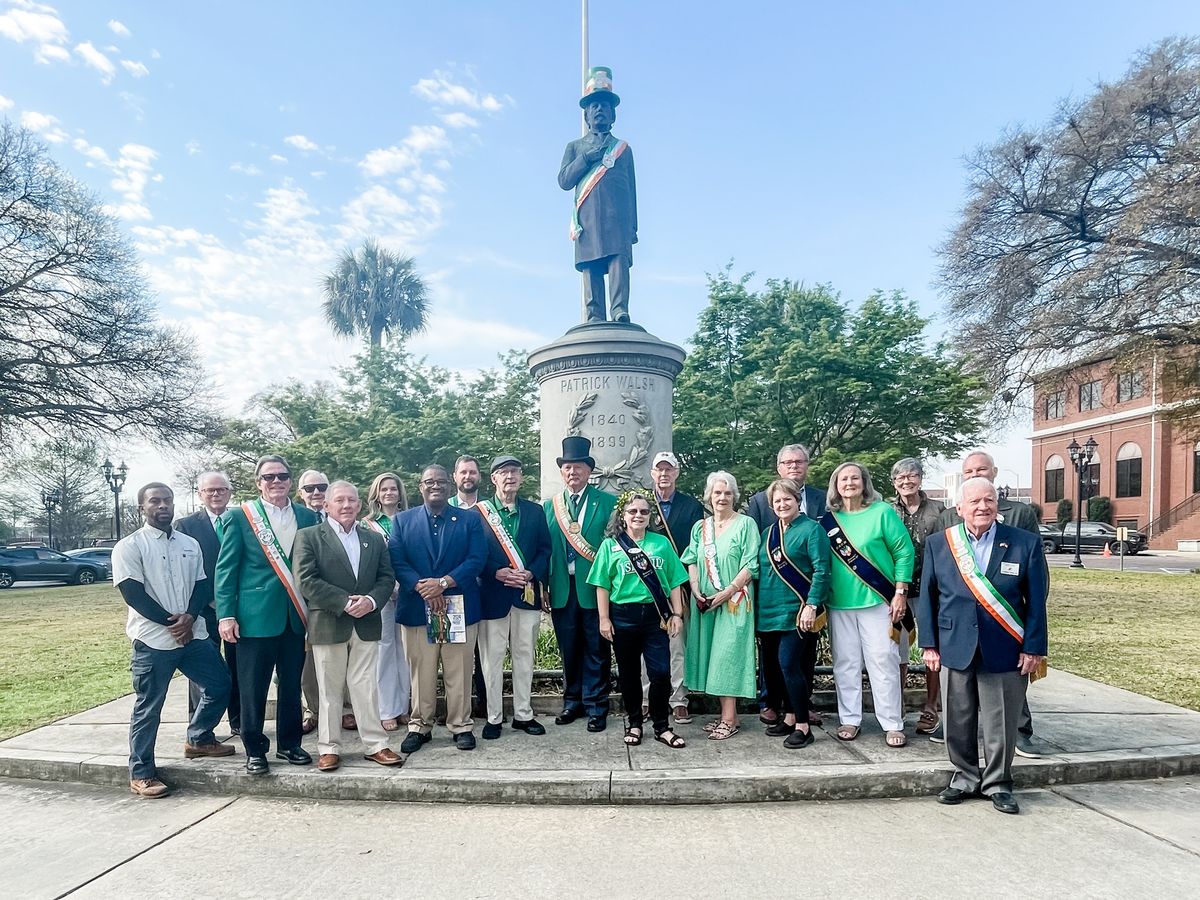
(116,481)
(50,500)
(1081,458)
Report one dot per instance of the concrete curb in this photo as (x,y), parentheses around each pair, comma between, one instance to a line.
(601,786)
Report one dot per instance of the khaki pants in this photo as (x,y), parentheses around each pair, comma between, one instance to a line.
(348,667)
(458,661)
(517,633)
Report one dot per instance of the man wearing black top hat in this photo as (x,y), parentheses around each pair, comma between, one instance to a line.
(599,169)
(577,518)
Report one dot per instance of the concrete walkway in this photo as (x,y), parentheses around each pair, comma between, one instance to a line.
(1097,733)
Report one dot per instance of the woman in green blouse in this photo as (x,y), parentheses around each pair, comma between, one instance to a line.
(386,498)
(868,593)
(793,581)
(637,577)
(722,560)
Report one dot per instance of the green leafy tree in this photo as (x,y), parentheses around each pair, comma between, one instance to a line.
(375,292)
(70,466)
(798,364)
(1064,513)
(1099,509)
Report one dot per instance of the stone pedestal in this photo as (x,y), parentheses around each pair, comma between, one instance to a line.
(611,383)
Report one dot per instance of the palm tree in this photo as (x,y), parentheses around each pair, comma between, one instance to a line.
(375,292)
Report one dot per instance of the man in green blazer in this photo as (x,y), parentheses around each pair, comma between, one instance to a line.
(345,575)
(577,518)
(260,609)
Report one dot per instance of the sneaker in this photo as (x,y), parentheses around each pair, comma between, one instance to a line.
(938,735)
(1027,748)
(150,788)
(682,716)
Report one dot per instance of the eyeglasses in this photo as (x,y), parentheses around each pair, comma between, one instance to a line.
(216,490)
(637,512)
(432,482)
(275,476)
(309,488)
(788,463)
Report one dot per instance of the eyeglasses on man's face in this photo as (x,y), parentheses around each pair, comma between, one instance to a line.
(309,488)
(435,482)
(275,476)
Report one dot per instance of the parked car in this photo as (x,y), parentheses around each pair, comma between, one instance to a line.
(1092,537)
(1052,539)
(94,554)
(41,564)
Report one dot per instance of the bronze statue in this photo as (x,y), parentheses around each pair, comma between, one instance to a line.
(599,169)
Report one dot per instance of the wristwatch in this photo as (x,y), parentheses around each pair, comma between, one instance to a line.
(903,592)
(443,583)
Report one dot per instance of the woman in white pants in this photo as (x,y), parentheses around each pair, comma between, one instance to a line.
(384,500)
(872,564)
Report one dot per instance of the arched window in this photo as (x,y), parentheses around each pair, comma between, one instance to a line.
(1129,470)
(1055,482)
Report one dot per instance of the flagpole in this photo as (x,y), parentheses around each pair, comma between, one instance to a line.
(583,51)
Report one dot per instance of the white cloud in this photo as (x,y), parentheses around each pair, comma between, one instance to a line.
(422,140)
(154,54)
(277,158)
(44,124)
(97,60)
(51,53)
(459,120)
(33,23)
(134,68)
(118,28)
(440,90)
(245,169)
(193,147)
(5,103)
(132,170)
(300,142)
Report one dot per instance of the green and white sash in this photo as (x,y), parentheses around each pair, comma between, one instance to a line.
(260,524)
(985,592)
(708,538)
(591,179)
(490,510)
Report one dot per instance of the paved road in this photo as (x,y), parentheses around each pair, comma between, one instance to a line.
(1104,840)
(1171,562)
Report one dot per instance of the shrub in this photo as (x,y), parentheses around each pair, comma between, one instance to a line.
(1099,509)
(1063,513)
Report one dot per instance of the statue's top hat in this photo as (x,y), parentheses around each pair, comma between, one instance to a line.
(576,449)
(599,86)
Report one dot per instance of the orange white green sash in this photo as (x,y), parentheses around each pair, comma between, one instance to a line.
(571,529)
(589,181)
(708,537)
(985,592)
(378,527)
(260,524)
(490,510)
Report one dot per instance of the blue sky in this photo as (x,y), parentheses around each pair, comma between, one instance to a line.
(244,145)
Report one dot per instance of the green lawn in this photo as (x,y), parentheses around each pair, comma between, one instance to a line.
(1135,630)
(62,650)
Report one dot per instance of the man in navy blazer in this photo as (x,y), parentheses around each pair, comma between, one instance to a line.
(790,462)
(981,617)
(512,588)
(438,551)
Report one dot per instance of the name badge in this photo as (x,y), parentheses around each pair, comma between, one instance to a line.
(1010,568)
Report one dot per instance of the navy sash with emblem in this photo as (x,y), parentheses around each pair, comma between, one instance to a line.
(645,571)
(862,567)
(789,573)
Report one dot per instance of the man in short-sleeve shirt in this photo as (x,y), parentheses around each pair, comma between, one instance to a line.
(160,574)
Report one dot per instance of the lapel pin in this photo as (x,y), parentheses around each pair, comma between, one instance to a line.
(454,518)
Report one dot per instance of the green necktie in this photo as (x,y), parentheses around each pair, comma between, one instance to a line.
(575,498)
(219,525)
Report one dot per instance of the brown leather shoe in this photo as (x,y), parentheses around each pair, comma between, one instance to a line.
(328,762)
(309,725)
(192,751)
(151,788)
(386,757)
(349,723)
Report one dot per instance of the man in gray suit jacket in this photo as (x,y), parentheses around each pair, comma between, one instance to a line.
(790,462)
(214,490)
(345,575)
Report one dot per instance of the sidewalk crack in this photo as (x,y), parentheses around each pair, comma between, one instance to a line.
(1120,821)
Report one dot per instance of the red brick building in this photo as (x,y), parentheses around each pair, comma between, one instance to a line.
(1144,464)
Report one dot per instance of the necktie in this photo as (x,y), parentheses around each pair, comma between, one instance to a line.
(219,526)
(575,505)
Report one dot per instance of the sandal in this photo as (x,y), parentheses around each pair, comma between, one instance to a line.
(390,724)
(710,727)
(675,742)
(723,732)
(633,735)
(847,732)
(815,718)
(928,722)
(896,739)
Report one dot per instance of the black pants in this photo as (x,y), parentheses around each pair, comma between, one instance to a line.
(257,658)
(587,660)
(194,692)
(638,635)
(788,663)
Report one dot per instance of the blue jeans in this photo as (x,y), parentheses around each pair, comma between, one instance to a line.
(152,672)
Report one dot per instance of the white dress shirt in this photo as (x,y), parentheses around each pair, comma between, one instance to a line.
(283,523)
(169,568)
(350,542)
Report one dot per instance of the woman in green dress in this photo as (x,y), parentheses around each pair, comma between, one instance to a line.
(386,498)
(637,577)
(793,582)
(722,561)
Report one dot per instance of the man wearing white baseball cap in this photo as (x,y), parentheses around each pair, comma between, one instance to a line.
(678,513)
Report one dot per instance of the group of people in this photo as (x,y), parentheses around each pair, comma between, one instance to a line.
(688,596)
